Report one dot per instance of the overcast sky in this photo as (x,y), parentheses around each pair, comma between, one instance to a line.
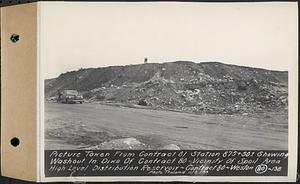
(85,35)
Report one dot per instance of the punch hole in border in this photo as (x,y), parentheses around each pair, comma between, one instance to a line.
(15,38)
(15,142)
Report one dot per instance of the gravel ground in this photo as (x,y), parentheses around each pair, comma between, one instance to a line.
(80,126)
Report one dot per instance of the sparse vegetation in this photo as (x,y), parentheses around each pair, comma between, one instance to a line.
(181,86)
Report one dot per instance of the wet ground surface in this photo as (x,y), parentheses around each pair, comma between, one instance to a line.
(79,126)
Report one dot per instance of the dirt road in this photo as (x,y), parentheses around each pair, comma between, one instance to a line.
(75,126)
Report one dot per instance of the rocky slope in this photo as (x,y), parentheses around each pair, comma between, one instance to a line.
(210,87)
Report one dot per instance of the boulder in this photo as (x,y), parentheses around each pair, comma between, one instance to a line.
(120,144)
(170,147)
(143,102)
(242,85)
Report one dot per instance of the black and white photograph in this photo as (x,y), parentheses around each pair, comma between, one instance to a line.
(177,77)
(168,89)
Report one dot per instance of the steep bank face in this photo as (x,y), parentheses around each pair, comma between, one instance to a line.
(183,86)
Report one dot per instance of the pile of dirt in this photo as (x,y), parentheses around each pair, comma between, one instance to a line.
(120,144)
(181,86)
(129,144)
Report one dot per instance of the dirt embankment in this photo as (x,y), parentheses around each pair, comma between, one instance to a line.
(181,86)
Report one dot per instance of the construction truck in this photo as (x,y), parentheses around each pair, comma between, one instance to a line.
(69,96)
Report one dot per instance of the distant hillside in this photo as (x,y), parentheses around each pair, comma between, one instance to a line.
(210,87)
